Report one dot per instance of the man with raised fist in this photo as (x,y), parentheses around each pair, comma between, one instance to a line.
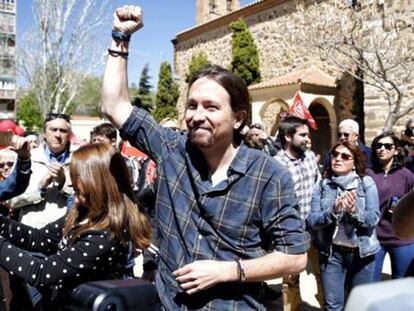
(219,203)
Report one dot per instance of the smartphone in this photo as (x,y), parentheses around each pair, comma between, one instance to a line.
(6,139)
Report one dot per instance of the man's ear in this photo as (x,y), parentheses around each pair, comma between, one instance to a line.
(288,138)
(240,117)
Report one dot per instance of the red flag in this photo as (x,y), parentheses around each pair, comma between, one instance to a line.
(299,109)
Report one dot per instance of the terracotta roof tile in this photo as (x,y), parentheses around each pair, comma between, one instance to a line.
(312,76)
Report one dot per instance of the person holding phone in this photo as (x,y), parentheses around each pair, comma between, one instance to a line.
(344,213)
(393,181)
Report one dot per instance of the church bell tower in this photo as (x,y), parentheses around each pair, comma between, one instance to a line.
(212,9)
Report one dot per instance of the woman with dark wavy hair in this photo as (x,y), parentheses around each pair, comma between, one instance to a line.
(344,212)
(92,242)
(393,181)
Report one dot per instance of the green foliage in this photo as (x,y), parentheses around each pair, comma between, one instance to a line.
(29,113)
(167,95)
(245,57)
(87,102)
(198,62)
(143,97)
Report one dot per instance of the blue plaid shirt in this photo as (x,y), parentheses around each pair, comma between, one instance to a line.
(197,221)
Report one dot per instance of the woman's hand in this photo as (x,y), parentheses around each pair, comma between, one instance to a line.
(349,201)
(338,205)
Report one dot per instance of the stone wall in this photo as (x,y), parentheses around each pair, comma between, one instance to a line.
(278,56)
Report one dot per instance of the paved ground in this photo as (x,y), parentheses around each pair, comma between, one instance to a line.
(307,287)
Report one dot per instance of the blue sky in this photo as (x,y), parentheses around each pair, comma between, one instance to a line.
(163,19)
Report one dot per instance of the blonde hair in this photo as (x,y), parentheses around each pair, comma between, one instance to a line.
(105,180)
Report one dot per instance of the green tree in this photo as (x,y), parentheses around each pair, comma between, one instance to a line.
(144,98)
(198,62)
(29,113)
(87,100)
(167,94)
(245,57)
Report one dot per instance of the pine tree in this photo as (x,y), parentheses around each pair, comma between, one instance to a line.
(245,60)
(198,62)
(167,94)
(144,98)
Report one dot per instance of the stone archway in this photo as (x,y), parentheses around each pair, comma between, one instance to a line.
(325,136)
(270,115)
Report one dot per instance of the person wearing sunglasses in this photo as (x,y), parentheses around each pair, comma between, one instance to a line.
(45,199)
(15,173)
(393,181)
(344,213)
(7,159)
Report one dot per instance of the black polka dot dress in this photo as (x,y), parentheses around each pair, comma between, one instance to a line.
(93,256)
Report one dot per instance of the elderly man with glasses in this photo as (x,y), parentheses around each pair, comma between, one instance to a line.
(349,131)
(45,198)
(49,188)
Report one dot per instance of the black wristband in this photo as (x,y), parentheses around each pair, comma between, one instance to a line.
(117,35)
(118,53)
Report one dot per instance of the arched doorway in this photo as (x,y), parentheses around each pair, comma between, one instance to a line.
(321,138)
(270,114)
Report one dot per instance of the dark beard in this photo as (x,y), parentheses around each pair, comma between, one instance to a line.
(200,142)
(299,149)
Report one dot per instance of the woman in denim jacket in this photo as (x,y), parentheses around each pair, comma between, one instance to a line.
(344,213)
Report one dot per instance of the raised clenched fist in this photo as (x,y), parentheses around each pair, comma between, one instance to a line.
(128,19)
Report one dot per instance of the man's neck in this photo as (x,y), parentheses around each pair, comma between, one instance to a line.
(55,154)
(219,160)
(292,153)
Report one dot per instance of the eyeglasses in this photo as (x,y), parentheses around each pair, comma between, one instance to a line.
(52,116)
(9,164)
(346,135)
(343,156)
(387,146)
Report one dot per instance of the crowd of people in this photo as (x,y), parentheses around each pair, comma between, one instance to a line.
(216,208)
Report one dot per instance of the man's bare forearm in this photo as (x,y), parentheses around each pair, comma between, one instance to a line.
(115,101)
(203,274)
(273,265)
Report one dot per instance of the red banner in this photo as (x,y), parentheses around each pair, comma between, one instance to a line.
(299,109)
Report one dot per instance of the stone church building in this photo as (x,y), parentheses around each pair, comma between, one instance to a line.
(326,91)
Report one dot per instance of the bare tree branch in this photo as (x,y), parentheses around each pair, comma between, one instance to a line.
(63,49)
(376,38)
